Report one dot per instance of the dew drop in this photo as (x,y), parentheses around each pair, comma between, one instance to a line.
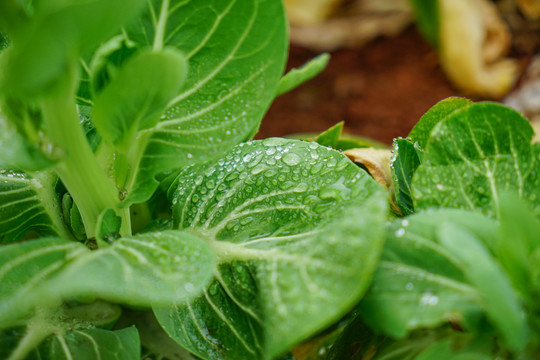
(429,299)
(409,286)
(291,159)
(400,232)
(189,287)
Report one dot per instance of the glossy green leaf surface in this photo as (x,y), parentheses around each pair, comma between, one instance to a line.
(25,271)
(296,77)
(138,94)
(236,52)
(405,160)
(28,203)
(419,282)
(473,155)
(439,112)
(297,230)
(159,269)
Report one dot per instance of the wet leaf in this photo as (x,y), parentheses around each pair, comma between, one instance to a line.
(405,160)
(159,268)
(419,282)
(475,154)
(277,215)
(29,203)
(236,52)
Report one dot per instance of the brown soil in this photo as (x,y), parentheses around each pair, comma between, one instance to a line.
(380,90)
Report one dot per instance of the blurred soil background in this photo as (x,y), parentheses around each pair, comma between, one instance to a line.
(382,86)
(380,90)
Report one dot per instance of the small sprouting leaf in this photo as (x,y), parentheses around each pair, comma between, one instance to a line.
(419,282)
(404,162)
(297,230)
(159,269)
(473,155)
(26,269)
(29,203)
(331,136)
(296,77)
(439,112)
(138,94)
(108,225)
(236,52)
(499,300)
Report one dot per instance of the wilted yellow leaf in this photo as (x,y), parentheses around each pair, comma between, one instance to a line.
(531,8)
(377,164)
(473,41)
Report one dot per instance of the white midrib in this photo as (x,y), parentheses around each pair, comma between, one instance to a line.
(160,28)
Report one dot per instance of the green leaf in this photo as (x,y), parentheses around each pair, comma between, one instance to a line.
(29,203)
(158,268)
(93,344)
(427,19)
(80,343)
(500,302)
(25,271)
(405,160)
(108,226)
(473,155)
(331,136)
(439,112)
(137,96)
(517,240)
(236,52)
(50,44)
(296,77)
(297,230)
(419,282)
(446,350)
(154,268)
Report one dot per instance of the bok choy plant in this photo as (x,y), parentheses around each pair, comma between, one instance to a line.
(115,112)
(138,220)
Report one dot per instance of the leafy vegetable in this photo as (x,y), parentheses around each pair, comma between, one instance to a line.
(271,211)
(128,179)
(474,154)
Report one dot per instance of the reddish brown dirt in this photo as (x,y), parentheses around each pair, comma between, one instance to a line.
(380,90)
